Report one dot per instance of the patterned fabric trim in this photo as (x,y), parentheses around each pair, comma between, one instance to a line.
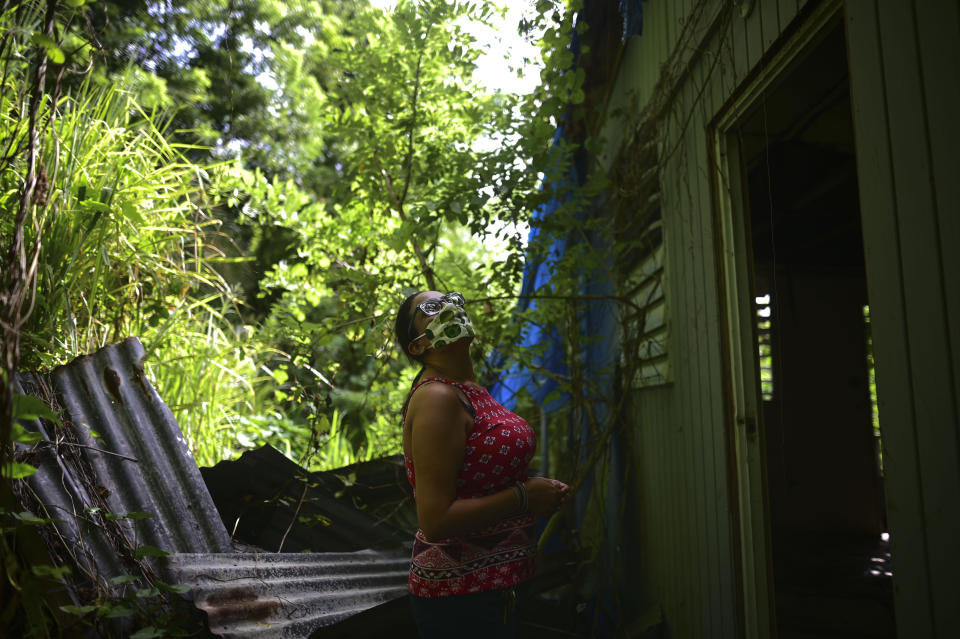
(499,557)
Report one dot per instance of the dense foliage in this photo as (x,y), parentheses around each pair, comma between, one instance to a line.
(252,187)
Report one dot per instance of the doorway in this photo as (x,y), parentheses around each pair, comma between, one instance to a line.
(816,406)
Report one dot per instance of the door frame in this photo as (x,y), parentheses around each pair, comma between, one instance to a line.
(744,419)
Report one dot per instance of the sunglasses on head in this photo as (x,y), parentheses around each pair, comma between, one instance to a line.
(434,306)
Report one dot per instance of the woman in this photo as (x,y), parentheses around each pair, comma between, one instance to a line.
(466,457)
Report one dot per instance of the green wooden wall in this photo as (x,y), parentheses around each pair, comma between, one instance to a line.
(693,63)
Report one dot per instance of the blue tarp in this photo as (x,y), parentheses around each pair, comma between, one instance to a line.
(538,272)
(599,325)
(536,276)
(632,12)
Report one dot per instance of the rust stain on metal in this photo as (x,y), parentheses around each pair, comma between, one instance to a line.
(139,377)
(111,379)
(238,603)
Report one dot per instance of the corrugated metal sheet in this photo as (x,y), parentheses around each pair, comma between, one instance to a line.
(265,499)
(289,594)
(119,451)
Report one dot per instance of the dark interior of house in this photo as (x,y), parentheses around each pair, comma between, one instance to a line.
(831,552)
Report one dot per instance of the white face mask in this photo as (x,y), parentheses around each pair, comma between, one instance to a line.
(450,325)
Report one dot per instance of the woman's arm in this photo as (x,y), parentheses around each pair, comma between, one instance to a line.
(439,426)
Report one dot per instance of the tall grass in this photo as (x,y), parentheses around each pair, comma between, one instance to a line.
(129,248)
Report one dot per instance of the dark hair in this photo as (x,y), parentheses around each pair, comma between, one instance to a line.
(402,327)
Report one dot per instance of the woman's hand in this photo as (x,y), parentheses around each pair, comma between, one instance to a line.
(545,495)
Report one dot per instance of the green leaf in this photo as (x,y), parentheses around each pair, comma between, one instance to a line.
(144,593)
(75,4)
(17,470)
(132,213)
(78,610)
(42,40)
(280,375)
(147,633)
(137,515)
(150,551)
(30,518)
(123,579)
(30,407)
(119,611)
(95,206)
(56,55)
(23,436)
(177,588)
(46,570)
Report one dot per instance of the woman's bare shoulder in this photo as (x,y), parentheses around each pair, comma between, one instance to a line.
(436,399)
(434,391)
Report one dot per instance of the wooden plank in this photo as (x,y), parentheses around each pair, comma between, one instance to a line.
(681,357)
(685,106)
(659,32)
(683,19)
(786,10)
(654,58)
(938,26)
(717,73)
(648,56)
(879,215)
(669,30)
(721,85)
(709,612)
(665,462)
(934,402)
(769,22)
(720,524)
(680,414)
(754,23)
(722,575)
(662,550)
(702,450)
(737,42)
(699,404)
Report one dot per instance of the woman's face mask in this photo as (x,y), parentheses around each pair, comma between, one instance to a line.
(450,325)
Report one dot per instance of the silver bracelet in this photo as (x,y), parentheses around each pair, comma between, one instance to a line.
(521,491)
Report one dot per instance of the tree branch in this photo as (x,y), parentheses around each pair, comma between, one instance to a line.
(615,298)
(408,161)
(397,203)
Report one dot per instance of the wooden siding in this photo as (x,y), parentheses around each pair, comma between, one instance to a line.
(906,93)
(690,60)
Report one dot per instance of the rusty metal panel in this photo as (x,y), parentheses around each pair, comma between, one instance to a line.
(246,595)
(118,451)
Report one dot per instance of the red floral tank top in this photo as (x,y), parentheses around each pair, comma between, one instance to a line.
(498,452)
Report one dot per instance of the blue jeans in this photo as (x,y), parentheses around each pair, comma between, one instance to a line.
(481,615)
